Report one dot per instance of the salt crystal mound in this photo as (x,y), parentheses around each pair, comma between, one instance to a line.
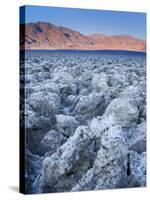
(85,122)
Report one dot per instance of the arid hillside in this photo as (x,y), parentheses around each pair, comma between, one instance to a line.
(43,35)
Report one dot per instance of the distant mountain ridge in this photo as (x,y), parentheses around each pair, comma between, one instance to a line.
(42,35)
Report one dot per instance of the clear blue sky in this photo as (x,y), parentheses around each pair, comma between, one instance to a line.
(90,21)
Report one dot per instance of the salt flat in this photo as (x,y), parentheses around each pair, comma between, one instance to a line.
(85,121)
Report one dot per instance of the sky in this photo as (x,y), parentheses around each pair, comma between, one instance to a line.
(89,21)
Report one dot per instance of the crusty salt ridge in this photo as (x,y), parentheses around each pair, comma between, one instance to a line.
(85,120)
(111,159)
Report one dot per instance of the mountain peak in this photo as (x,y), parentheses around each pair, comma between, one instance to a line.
(45,35)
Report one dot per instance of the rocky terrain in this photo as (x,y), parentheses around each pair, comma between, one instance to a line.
(85,122)
(43,35)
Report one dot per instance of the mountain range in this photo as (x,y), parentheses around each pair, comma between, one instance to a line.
(42,35)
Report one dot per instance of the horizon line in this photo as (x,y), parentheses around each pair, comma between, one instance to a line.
(122,50)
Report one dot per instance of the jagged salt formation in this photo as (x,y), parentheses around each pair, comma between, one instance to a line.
(85,121)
